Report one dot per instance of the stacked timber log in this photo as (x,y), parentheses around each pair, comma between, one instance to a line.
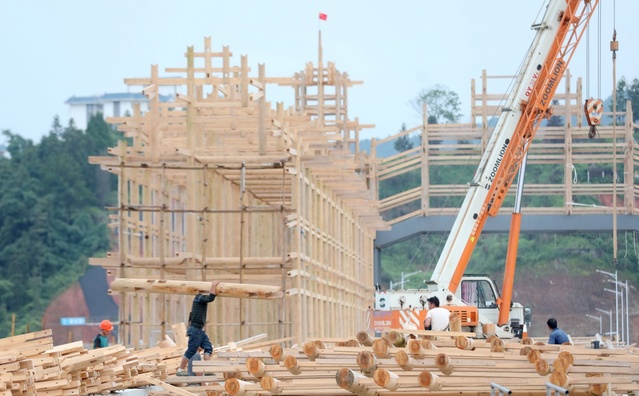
(397,364)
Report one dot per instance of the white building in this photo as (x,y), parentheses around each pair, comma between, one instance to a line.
(81,108)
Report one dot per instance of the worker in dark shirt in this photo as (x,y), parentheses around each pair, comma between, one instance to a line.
(195,332)
(557,335)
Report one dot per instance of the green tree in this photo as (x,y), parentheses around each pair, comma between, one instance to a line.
(403,143)
(628,91)
(443,105)
(51,216)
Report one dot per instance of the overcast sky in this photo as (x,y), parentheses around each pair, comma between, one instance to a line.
(52,50)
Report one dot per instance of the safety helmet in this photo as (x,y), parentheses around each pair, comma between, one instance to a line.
(106,325)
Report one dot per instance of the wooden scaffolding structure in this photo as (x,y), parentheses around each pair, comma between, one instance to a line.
(218,184)
(565,146)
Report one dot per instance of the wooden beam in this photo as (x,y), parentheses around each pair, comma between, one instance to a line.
(238,290)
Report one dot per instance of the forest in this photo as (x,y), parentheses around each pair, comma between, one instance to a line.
(52,217)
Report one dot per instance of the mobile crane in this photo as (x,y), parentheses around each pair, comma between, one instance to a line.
(478,300)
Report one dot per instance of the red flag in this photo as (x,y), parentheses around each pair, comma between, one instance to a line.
(323,16)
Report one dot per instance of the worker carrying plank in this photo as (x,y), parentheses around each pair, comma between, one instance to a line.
(195,332)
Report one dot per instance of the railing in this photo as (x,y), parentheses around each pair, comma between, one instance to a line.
(583,167)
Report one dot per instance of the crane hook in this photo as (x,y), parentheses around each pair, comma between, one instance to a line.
(593,109)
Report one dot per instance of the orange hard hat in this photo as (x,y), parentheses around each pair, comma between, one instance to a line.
(106,325)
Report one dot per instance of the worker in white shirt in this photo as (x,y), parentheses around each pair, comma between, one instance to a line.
(437,318)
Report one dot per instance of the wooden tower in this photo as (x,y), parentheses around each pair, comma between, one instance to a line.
(219,184)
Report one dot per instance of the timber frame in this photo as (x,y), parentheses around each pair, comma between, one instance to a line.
(220,185)
(577,159)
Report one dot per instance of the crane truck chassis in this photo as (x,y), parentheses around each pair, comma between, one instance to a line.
(477,298)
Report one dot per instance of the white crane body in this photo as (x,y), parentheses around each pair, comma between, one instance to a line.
(478,298)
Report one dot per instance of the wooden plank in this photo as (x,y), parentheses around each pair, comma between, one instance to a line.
(19,339)
(173,389)
(29,344)
(223,289)
(433,333)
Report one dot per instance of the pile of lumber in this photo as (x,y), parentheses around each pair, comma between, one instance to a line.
(402,364)
(444,363)
(31,365)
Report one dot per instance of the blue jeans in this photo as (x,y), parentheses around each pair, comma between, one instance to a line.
(189,367)
(197,339)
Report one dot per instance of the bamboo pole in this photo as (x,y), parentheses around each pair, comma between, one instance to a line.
(223,289)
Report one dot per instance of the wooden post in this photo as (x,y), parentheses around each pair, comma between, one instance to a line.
(455,321)
(416,349)
(233,373)
(352,343)
(497,345)
(443,364)
(234,386)
(367,362)
(290,362)
(277,353)
(542,367)
(381,348)
(561,364)
(597,389)
(397,339)
(534,355)
(525,351)
(271,384)
(386,379)
(568,356)
(256,367)
(351,381)
(311,350)
(464,343)
(560,379)
(364,338)
(429,380)
(404,361)
(428,344)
